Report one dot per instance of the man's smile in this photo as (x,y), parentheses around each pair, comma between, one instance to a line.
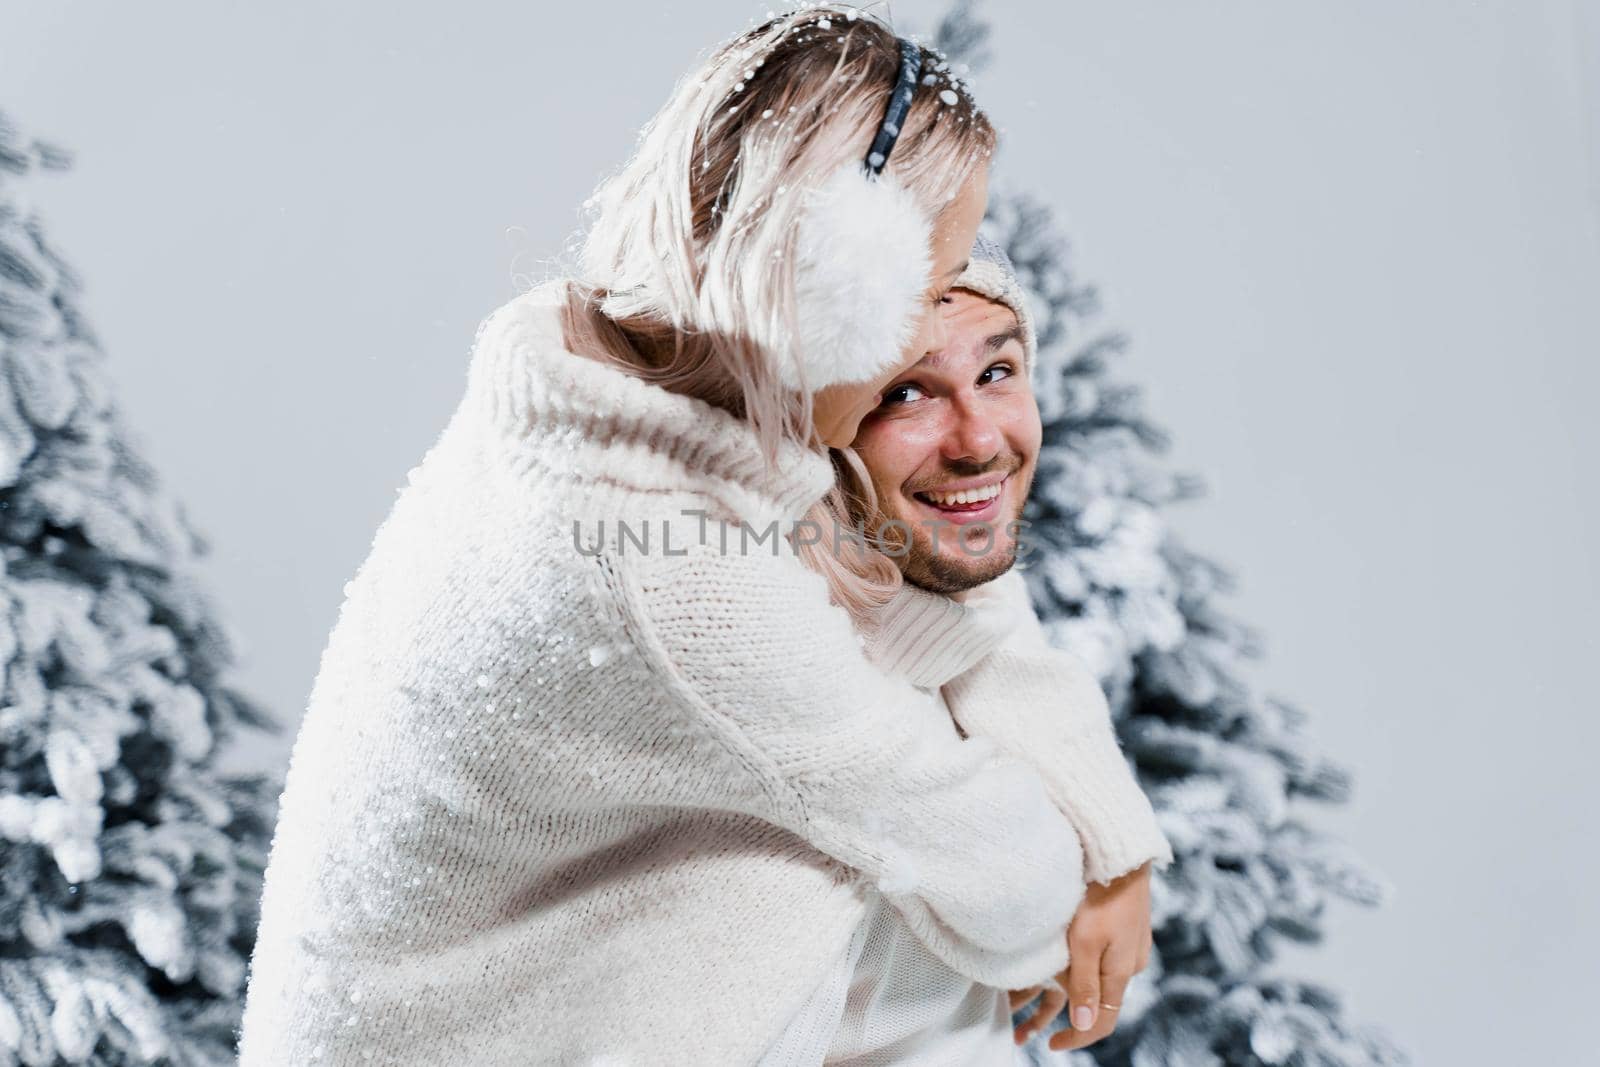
(966,501)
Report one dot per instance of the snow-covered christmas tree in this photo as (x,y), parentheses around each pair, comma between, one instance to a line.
(1222,761)
(130,871)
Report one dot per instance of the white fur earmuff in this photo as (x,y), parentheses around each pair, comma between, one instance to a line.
(862,270)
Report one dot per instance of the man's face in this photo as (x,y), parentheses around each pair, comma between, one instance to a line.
(952,447)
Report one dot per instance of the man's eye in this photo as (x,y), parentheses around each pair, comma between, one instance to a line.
(1005,369)
(900,394)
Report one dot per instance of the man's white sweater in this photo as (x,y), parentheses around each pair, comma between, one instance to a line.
(555,805)
(888,999)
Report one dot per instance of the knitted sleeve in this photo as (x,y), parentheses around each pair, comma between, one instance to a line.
(961,839)
(1044,704)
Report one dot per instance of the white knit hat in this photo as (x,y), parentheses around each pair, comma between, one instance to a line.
(990,273)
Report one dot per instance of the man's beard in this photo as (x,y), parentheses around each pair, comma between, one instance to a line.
(939,573)
(949,569)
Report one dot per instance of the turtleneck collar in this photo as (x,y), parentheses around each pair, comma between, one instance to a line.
(930,638)
(581,417)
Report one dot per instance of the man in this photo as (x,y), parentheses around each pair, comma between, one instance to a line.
(952,448)
(951,453)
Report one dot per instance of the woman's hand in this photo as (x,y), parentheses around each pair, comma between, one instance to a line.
(1108,942)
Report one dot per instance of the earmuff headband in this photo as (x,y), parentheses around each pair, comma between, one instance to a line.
(905,87)
(862,260)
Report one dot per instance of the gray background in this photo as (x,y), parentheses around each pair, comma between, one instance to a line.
(1356,245)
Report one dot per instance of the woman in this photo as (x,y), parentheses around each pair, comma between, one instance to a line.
(579,781)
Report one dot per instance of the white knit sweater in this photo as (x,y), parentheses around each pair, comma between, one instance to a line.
(548,806)
(1033,700)
(888,1000)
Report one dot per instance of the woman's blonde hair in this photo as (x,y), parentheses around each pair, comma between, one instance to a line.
(687,266)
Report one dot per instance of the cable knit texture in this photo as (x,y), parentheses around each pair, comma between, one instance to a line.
(561,798)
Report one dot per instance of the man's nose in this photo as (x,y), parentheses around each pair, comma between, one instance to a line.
(971,432)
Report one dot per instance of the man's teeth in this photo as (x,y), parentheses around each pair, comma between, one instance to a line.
(965,496)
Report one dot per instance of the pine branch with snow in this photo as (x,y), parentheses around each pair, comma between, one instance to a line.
(130,870)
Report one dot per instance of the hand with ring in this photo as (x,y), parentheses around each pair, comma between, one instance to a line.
(1109,941)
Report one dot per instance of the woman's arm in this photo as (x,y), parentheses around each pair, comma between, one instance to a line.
(963,840)
(1044,704)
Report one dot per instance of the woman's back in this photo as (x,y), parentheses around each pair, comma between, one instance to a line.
(426,898)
